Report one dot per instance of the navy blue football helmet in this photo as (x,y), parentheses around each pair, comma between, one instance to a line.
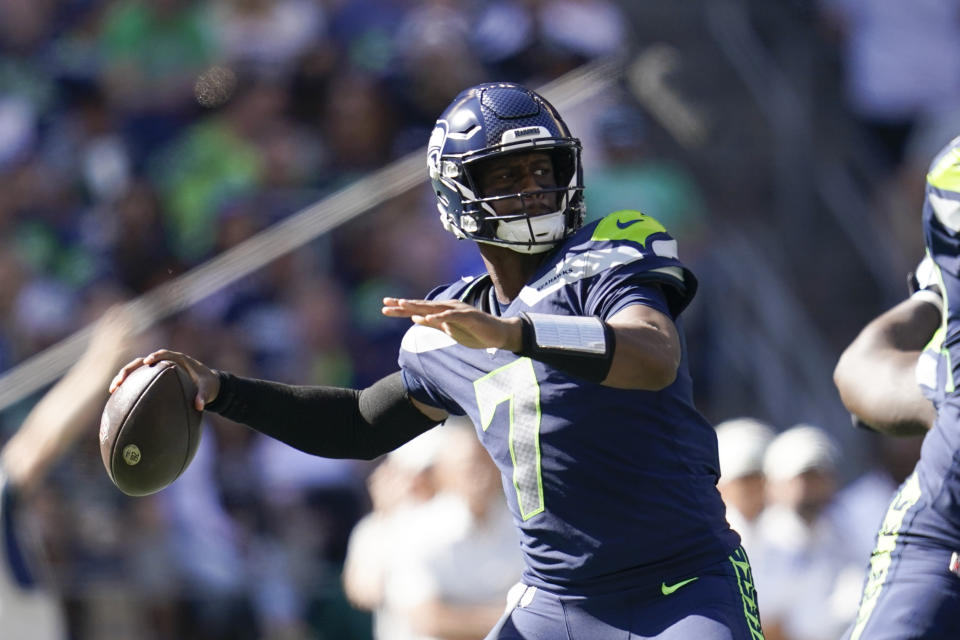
(489,121)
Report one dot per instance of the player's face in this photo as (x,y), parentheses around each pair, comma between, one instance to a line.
(526,173)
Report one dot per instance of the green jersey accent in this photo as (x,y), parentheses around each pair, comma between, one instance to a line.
(880,559)
(627,225)
(748,592)
(945,174)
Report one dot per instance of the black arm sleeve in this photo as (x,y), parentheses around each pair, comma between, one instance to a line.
(325,421)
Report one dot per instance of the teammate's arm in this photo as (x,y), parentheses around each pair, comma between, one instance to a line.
(645,345)
(70,406)
(876,374)
(332,422)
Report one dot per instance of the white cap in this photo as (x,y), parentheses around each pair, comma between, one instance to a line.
(800,448)
(742,443)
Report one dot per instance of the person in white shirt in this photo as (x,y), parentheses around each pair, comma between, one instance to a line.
(741,444)
(809,576)
(454,585)
(440,566)
(400,487)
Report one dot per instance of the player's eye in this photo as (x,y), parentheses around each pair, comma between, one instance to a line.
(500,181)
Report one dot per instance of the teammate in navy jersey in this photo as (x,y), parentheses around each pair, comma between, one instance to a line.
(909,353)
(569,358)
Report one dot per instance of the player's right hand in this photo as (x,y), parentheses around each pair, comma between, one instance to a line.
(206,379)
(463,322)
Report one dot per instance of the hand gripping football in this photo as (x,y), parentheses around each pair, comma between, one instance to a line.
(150,430)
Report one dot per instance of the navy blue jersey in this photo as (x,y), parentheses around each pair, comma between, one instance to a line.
(937,499)
(610,488)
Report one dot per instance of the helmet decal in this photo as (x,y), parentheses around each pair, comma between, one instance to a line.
(434,147)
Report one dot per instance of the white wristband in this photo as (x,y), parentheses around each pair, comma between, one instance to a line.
(580,334)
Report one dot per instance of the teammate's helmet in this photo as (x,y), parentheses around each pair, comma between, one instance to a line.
(492,120)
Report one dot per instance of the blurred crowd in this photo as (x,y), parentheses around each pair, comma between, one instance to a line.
(808,533)
(140,138)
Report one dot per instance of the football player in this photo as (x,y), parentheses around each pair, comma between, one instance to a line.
(568,356)
(899,376)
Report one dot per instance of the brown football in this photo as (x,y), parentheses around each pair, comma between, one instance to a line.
(150,430)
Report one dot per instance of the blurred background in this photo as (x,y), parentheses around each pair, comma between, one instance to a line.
(784,144)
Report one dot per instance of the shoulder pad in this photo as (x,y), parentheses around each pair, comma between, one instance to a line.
(624,239)
(944,170)
(627,225)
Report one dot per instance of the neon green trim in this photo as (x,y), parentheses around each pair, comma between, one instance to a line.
(748,592)
(880,559)
(627,225)
(936,341)
(516,383)
(946,173)
(666,589)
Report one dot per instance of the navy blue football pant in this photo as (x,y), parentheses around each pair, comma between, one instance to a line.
(720,604)
(917,597)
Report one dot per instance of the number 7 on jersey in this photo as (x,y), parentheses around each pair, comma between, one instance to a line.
(516,383)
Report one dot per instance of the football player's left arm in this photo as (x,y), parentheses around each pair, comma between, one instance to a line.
(876,376)
(647,353)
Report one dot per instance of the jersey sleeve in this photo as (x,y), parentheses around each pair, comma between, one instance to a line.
(422,391)
(634,292)
(418,376)
(650,262)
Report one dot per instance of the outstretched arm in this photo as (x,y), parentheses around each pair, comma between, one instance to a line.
(324,421)
(71,406)
(876,374)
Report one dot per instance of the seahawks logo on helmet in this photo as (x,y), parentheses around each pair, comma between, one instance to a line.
(435,146)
